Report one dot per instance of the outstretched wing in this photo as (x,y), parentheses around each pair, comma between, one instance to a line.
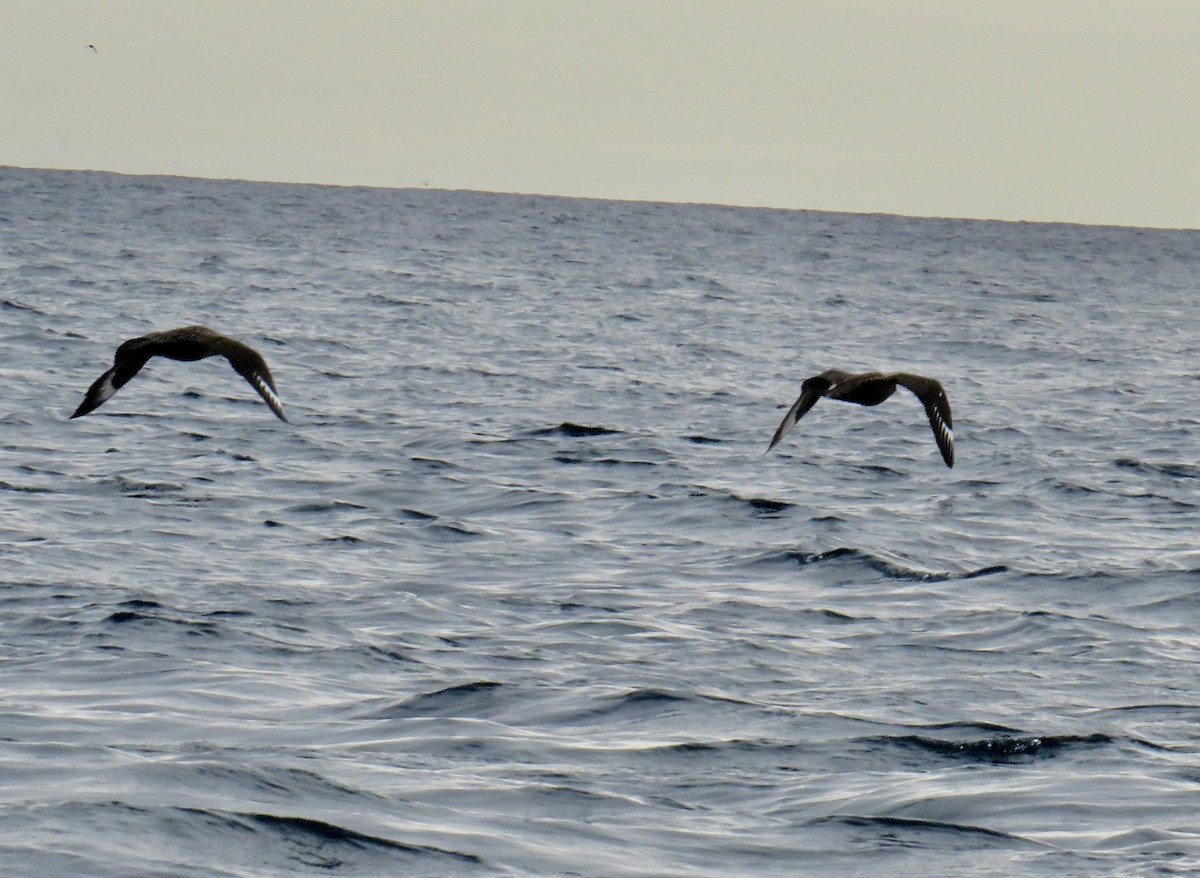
(937,407)
(110,382)
(810,391)
(251,366)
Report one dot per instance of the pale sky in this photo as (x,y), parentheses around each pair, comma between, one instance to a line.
(1074,110)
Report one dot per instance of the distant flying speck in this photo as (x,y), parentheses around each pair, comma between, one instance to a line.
(186,343)
(93,48)
(872,388)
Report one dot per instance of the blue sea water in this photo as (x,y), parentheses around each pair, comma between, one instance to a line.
(517,591)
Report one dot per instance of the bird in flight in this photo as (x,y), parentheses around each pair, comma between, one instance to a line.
(93,48)
(185,343)
(872,388)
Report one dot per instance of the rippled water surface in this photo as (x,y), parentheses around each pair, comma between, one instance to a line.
(517,591)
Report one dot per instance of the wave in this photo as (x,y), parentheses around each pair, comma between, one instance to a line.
(226,840)
(23,489)
(879,564)
(467,699)
(601,461)
(996,750)
(134,612)
(636,703)
(765,507)
(575,431)
(1173,470)
(306,831)
(325,506)
(895,826)
(20,306)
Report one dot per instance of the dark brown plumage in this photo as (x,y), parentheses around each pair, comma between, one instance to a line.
(872,388)
(185,343)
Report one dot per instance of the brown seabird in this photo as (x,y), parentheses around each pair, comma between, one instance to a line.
(872,388)
(185,343)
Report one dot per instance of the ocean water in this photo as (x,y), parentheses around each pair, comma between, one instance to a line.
(517,591)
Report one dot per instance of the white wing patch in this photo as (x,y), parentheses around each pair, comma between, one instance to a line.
(943,433)
(789,421)
(946,433)
(105,388)
(265,391)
